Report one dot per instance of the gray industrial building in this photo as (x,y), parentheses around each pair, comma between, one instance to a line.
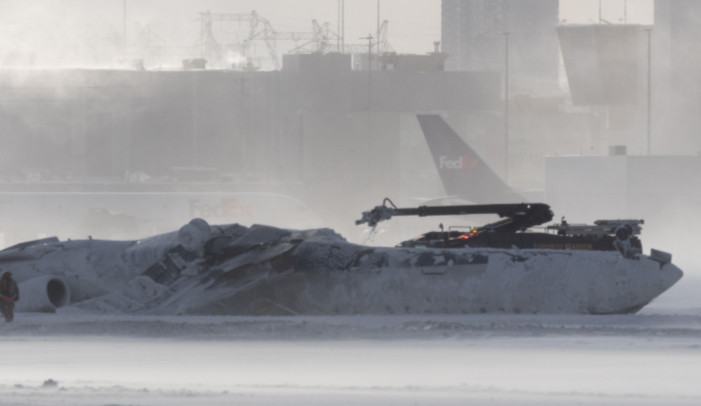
(586,188)
(659,189)
(676,99)
(473,34)
(338,139)
(542,120)
(607,68)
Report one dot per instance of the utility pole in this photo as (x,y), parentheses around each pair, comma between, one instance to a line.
(343,26)
(368,175)
(369,39)
(506,106)
(124,27)
(599,11)
(195,118)
(649,91)
(378,27)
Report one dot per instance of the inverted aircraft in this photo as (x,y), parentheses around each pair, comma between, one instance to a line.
(262,270)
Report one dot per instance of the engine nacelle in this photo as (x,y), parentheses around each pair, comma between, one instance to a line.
(43,294)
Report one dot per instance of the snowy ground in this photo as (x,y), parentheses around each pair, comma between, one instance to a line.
(653,358)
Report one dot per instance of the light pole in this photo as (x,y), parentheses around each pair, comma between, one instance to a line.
(195,118)
(378,27)
(506,105)
(369,134)
(124,27)
(369,39)
(649,91)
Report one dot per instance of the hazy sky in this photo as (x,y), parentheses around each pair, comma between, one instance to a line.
(414,24)
(587,11)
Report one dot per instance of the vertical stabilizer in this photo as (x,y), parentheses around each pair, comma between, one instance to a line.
(462,171)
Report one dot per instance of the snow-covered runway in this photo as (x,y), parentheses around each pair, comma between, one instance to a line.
(437,360)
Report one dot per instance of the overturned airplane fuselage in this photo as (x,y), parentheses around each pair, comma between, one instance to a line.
(235,270)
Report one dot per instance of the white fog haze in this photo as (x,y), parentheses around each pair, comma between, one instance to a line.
(362,202)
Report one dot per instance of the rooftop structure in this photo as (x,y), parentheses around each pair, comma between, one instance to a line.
(473,34)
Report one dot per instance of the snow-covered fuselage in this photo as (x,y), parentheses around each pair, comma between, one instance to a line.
(235,270)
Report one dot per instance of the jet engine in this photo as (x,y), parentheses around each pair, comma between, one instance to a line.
(43,294)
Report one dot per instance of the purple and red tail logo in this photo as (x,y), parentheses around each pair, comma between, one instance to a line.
(462,162)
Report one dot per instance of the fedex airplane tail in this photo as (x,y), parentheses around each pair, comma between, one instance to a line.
(463,173)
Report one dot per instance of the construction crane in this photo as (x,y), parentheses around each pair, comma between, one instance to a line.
(317,41)
(259,28)
(320,40)
(148,43)
(381,46)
